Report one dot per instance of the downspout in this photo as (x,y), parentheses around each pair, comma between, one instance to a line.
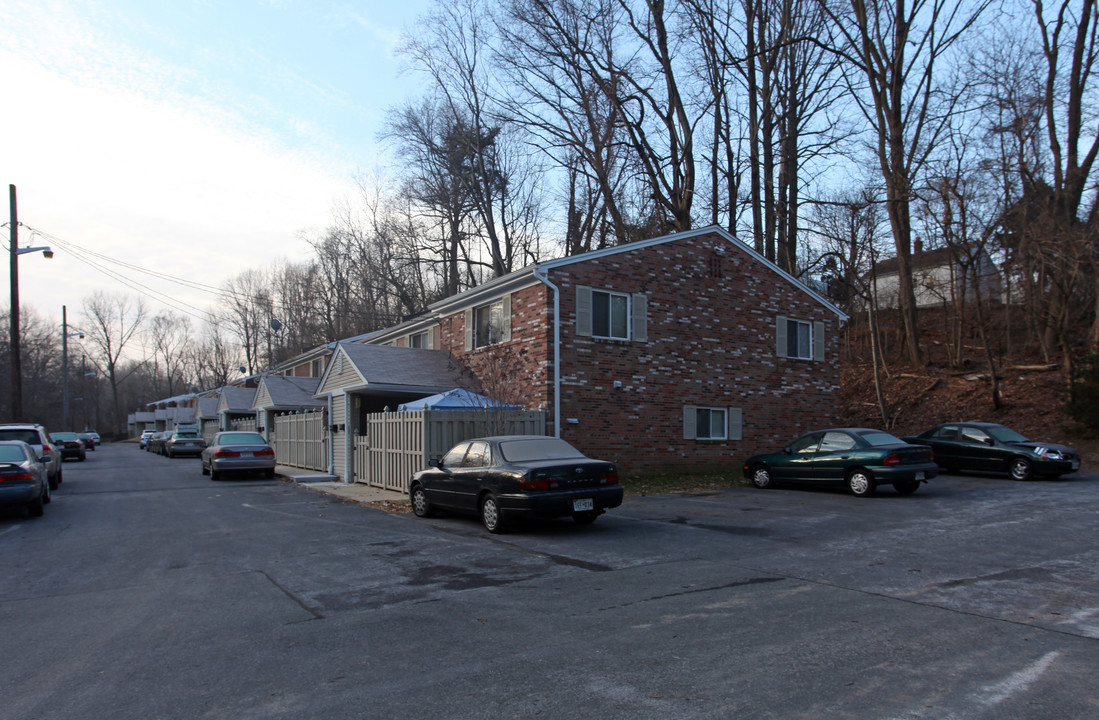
(540,273)
(331,443)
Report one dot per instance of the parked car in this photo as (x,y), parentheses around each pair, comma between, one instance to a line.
(23,477)
(95,436)
(70,445)
(860,458)
(238,451)
(156,442)
(36,436)
(143,441)
(184,442)
(88,439)
(512,477)
(995,448)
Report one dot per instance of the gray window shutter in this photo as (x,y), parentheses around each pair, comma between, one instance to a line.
(469,329)
(818,341)
(689,418)
(583,310)
(736,424)
(780,336)
(505,335)
(639,316)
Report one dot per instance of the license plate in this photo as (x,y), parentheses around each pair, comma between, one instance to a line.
(246,454)
(1075,464)
(919,476)
(582,505)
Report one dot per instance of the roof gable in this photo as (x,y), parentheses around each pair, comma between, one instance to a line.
(285,391)
(385,365)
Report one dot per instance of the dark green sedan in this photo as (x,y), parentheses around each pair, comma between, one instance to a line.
(990,447)
(860,459)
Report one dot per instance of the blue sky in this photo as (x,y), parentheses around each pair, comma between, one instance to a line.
(194,137)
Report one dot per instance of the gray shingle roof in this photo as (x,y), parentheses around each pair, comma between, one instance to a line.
(289,391)
(414,367)
(238,399)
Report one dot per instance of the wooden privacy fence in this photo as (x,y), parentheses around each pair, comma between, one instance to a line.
(209,430)
(397,444)
(301,440)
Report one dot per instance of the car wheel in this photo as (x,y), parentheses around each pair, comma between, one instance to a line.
(83,458)
(205,470)
(491,516)
(907,488)
(1020,469)
(60,476)
(585,518)
(215,475)
(860,483)
(35,507)
(421,506)
(47,496)
(52,481)
(761,477)
(269,473)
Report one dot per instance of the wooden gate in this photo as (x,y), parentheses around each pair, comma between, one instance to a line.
(301,440)
(398,444)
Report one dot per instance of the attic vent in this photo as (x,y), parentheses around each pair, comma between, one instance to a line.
(717,263)
(339,364)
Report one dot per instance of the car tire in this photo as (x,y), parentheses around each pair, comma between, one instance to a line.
(860,483)
(761,477)
(52,481)
(203,466)
(36,508)
(1020,469)
(83,458)
(60,476)
(215,475)
(421,506)
(585,518)
(269,473)
(907,488)
(491,516)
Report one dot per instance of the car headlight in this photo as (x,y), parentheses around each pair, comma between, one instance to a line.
(1048,453)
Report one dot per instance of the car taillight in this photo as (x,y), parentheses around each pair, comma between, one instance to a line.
(609,478)
(16,476)
(264,452)
(893,459)
(932,451)
(46,449)
(537,483)
(226,453)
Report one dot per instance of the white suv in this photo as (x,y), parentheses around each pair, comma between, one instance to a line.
(36,436)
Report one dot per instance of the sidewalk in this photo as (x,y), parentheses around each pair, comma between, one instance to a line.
(388,500)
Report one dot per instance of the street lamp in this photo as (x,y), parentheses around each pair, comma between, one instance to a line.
(16,360)
(65,335)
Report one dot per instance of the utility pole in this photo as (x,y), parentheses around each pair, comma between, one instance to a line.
(65,368)
(16,361)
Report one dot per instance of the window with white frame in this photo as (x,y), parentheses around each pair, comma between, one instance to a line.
(610,315)
(420,340)
(799,339)
(702,422)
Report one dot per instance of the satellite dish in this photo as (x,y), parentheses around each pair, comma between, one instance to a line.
(243,371)
(275,324)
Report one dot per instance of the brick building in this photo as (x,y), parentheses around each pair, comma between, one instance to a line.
(688,350)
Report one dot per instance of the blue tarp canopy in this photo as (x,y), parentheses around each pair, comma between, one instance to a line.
(458,399)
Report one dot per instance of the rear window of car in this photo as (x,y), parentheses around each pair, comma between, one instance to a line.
(187,435)
(241,439)
(11,454)
(28,436)
(881,438)
(537,449)
(63,436)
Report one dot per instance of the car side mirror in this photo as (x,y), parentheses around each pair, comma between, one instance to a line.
(434,462)
(990,441)
(787,450)
(43,459)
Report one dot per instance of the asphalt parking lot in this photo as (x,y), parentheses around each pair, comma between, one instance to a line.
(149,591)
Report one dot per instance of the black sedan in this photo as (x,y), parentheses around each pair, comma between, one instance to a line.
(995,448)
(70,445)
(512,477)
(859,458)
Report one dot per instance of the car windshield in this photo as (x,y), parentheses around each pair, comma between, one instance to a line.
(877,438)
(11,454)
(241,438)
(1005,434)
(28,436)
(537,448)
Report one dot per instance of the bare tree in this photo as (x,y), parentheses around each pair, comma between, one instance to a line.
(111,322)
(893,52)
(170,334)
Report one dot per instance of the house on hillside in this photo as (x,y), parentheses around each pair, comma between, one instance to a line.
(689,350)
(940,277)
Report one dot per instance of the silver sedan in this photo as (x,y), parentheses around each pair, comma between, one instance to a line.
(238,451)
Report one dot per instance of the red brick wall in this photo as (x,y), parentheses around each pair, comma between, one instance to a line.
(711,342)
